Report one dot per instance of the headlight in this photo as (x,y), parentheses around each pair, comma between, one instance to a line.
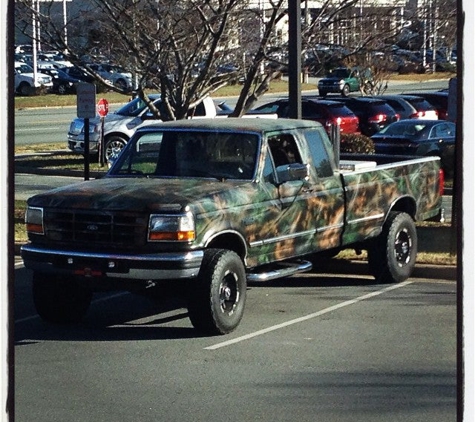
(93,128)
(341,84)
(171,227)
(34,220)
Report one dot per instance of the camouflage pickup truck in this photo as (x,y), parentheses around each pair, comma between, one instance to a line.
(204,206)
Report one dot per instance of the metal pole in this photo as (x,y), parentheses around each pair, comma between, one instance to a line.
(295,65)
(65,22)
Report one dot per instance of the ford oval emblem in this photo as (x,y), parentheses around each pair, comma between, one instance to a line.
(92,227)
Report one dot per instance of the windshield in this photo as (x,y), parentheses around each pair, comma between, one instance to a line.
(339,73)
(134,107)
(23,68)
(196,154)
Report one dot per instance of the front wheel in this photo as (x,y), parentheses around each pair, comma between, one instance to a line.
(392,255)
(60,301)
(217,297)
(113,146)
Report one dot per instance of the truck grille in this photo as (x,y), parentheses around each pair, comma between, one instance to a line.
(98,228)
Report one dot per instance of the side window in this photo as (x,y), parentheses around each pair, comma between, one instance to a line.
(284,150)
(440,131)
(309,111)
(319,146)
(268,173)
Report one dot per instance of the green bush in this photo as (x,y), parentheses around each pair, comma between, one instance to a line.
(356,144)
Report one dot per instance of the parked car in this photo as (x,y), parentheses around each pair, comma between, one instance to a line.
(425,110)
(79,74)
(418,137)
(116,74)
(374,114)
(402,107)
(25,82)
(64,83)
(327,112)
(344,80)
(439,99)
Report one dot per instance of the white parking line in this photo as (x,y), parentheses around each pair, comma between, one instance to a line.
(307,317)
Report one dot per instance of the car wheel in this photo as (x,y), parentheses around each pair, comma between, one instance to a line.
(113,146)
(60,301)
(345,91)
(121,84)
(25,89)
(322,93)
(216,298)
(392,255)
(62,89)
(368,88)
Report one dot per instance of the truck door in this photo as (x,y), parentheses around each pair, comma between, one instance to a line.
(325,190)
(291,217)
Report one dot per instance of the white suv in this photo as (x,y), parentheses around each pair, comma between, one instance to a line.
(25,83)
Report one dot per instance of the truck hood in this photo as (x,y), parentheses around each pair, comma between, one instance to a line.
(147,195)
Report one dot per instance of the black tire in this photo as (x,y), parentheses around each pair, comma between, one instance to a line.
(121,84)
(345,91)
(368,88)
(60,301)
(25,89)
(62,89)
(113,145)
(217,297)
(392,255)
(322,93)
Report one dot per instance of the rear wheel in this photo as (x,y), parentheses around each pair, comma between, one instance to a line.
(217,297)
(392,255)
(345,91)
(62,89)
(25,89)
(121,84)
(60,301)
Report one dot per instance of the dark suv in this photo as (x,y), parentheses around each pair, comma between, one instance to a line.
(374,113)
(439,99)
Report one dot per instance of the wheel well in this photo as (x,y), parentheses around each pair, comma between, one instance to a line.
(230,241)
(117,135)
(407,205)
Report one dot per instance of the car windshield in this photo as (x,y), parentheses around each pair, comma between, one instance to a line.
(134,107)
(194,154)
(339,73)
(23,68)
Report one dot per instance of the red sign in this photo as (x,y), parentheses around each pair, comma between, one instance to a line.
(102,107)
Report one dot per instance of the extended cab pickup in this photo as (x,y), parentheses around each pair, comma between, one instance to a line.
(211,204)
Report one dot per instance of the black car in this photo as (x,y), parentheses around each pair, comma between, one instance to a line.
(79,74)
(420,138)
(64,83)
(374,114)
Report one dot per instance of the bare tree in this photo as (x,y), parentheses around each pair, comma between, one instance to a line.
(184,49)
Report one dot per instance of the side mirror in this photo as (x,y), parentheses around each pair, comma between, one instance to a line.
(292,172)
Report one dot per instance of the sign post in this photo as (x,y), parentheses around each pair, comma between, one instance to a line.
(86,109)
(102,110)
